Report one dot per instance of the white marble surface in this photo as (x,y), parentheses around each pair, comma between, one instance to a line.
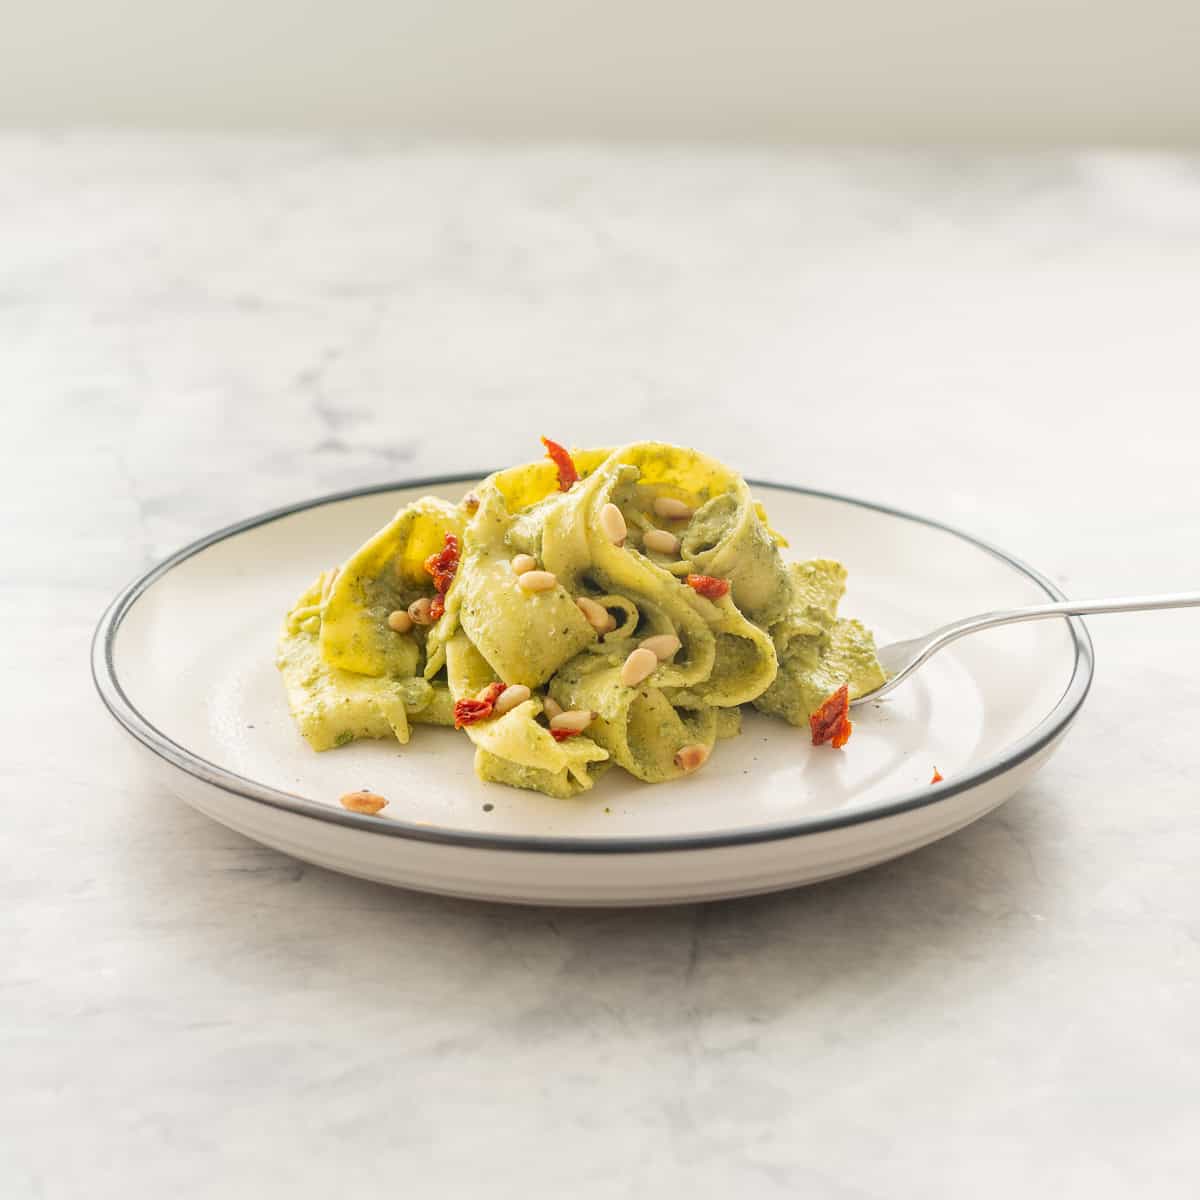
(193,331)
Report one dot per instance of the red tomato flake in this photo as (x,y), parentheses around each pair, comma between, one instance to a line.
(831,722)
(471,712)
(937,776)
(443,565)
(567,474)
(437,606)
(561,735)
(706,585)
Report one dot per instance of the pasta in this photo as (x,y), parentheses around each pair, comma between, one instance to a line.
(636,611)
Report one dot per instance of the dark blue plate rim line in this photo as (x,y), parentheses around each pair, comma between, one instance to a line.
(112,693)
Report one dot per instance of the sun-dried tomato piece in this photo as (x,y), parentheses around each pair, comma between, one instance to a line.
(467,712)
(444,564)
(831,722)
(561,735)
(437,606)
(706,585)
(567,474)
(471,711)
(937,776)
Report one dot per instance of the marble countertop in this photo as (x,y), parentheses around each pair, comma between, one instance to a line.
(195,330)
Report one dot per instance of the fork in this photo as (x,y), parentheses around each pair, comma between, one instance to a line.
(900,659)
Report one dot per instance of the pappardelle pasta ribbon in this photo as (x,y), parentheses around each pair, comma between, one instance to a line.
(632,614)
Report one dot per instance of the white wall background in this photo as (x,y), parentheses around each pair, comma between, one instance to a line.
(993,71)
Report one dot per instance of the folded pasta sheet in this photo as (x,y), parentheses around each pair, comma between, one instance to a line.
(384,576)
(332,706)
(598,608)
(514,747)
(817,651)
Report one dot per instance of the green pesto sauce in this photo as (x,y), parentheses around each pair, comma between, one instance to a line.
(776,641)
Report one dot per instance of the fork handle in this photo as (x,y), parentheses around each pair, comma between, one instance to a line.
(1071,608)
(926,647)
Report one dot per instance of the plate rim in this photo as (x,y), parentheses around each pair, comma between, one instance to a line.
(128,716)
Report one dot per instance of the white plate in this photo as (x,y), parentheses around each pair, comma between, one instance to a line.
(183,659)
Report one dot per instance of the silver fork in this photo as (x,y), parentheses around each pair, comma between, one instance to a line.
(900,659)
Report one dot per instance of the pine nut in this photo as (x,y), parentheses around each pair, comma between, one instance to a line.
(537,581)
(400,621)
(612,524)
(575,720)
(638,666)
(662,645)
(514,694)
(598,617)
(523,563)
(661,541)
(471,502)
(691,757)
(418,611)
(672,509)
(363,802)
(551,707)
